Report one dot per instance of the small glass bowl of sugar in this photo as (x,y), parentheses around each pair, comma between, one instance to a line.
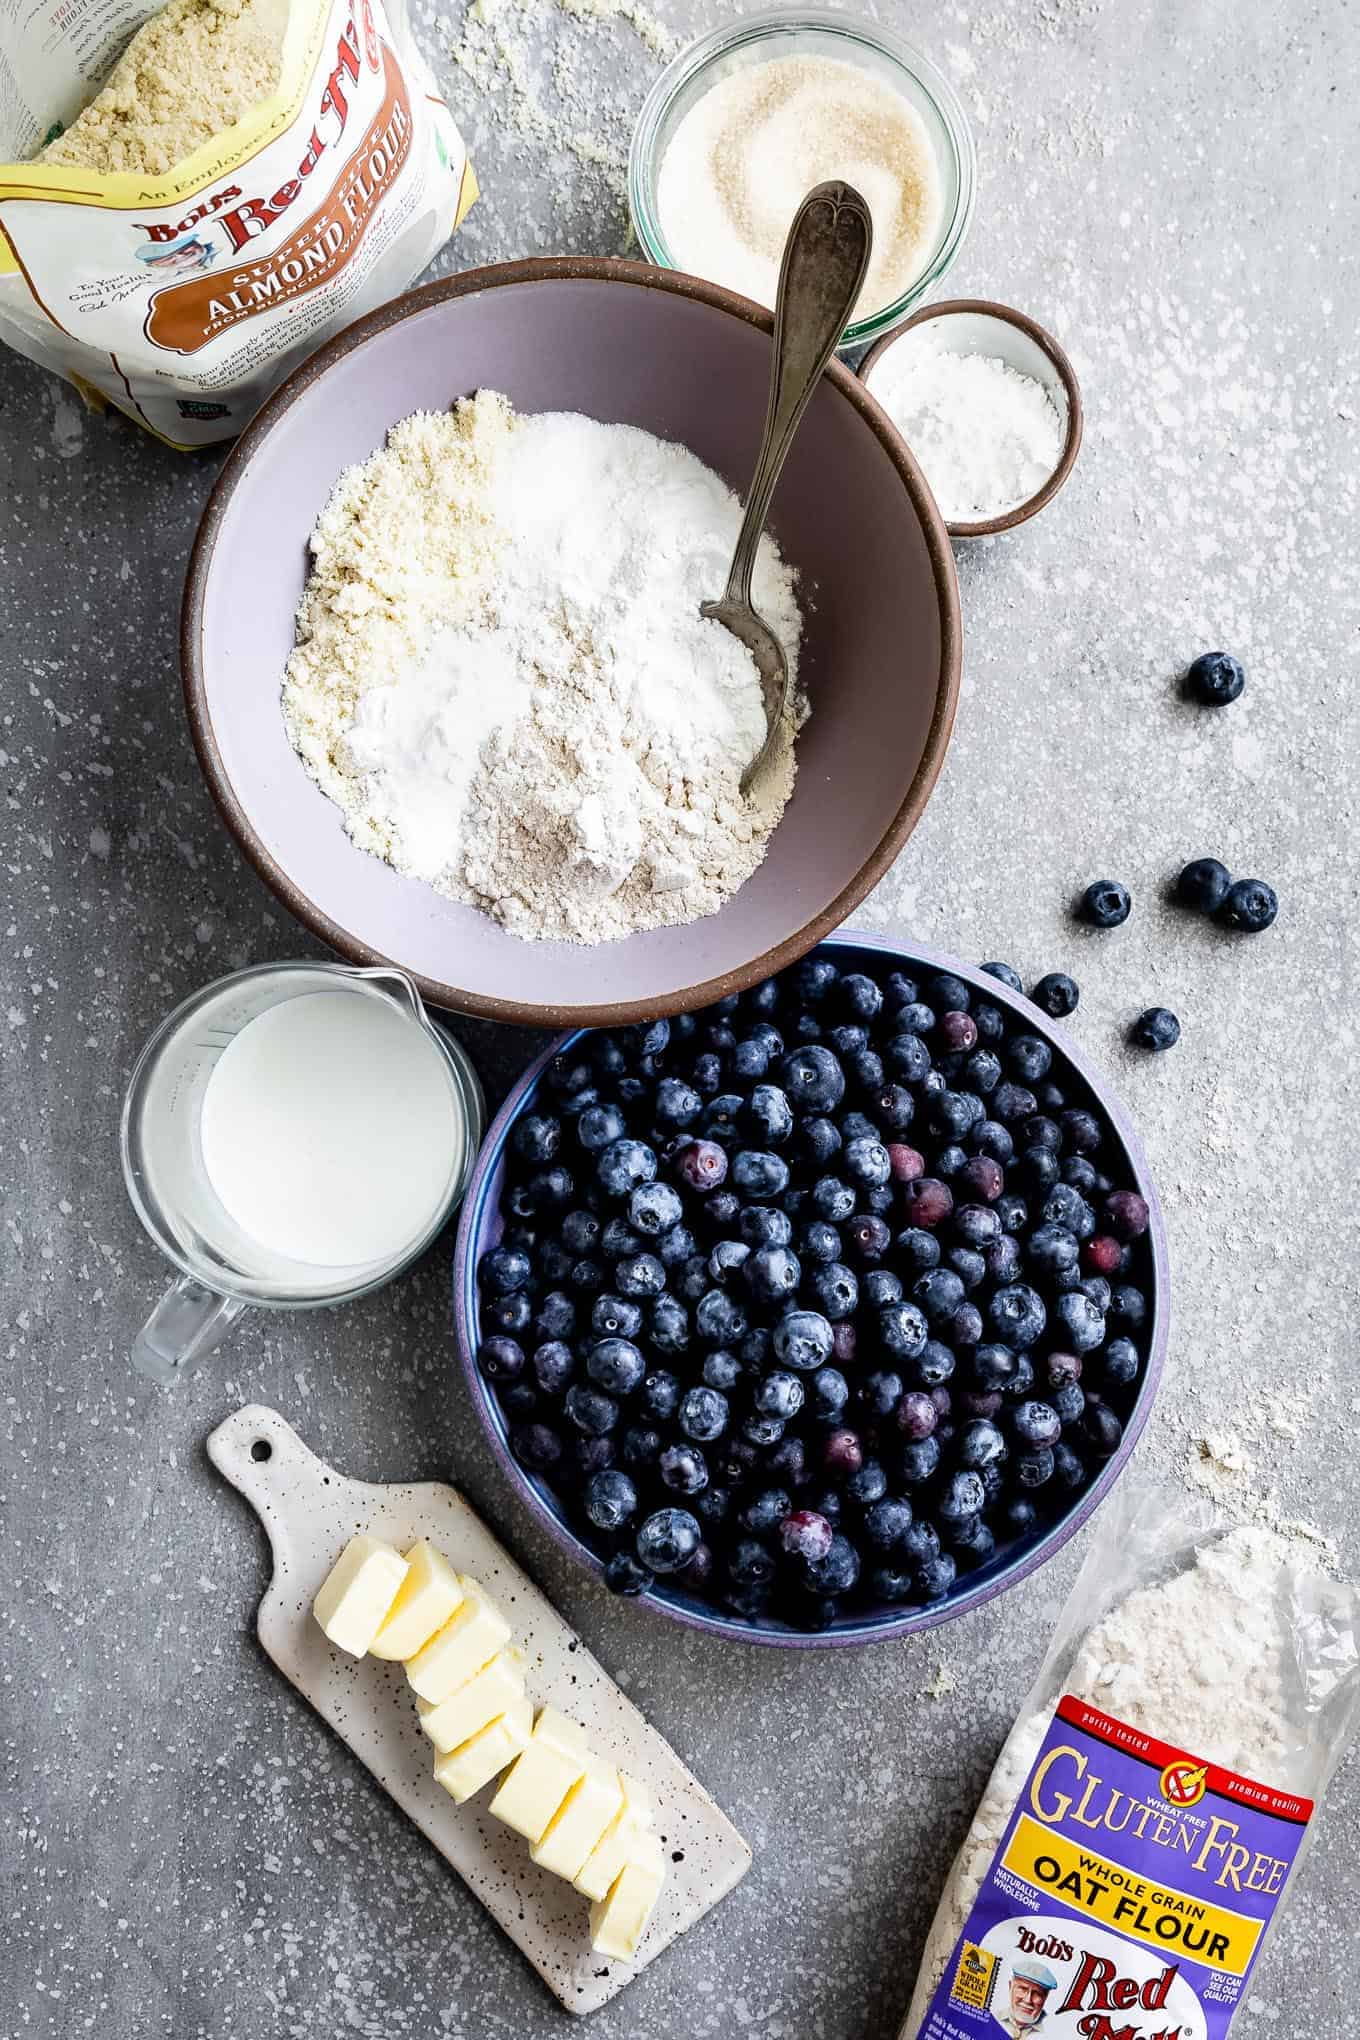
(989,405)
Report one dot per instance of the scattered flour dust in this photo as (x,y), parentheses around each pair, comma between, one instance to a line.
(1204,1660)
(503,678)
(190,72)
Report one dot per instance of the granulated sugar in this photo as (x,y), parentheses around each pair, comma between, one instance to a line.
(504,678)
(746,154)
(987,436)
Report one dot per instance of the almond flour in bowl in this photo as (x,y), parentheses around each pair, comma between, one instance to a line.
(503,679)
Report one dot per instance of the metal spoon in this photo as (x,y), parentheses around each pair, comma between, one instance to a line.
(825,258)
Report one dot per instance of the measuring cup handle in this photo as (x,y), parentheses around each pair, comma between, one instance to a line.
(189,1321)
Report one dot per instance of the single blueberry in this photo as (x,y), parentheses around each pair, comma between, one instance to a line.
(504,1269)
(1215,679)
(590,1411)
(1082,1325)
(1203,884)
(813,1078)
(639,1276)
(683,1469)
(501,1359)
(761,1225)
(653,1208)
(667,1540)
(773,1273)
(780,1394)
(553,1366)
(935,1577)
(803,1340)
(758,1174)
(623,1575)
(668,1325)
(1156,1029)
(834,1289)
(1106,903)
(719,1319)
(616,1366)
(1017,1315)
(1250,906)
(1119,1363)
(623,1165)
(610,1499)
(902,1328)
(769,1115)
(703,1415)
(1005,974)
(1030,1058)
(1056,994)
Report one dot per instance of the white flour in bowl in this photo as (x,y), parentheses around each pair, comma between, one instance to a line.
(503,677)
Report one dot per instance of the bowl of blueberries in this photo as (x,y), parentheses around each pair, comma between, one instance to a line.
(822,1314)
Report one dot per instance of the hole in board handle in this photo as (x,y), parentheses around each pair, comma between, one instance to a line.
(262,1449)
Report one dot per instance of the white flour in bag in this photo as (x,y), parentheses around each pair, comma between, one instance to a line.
(1223,1658)
(504,679)
(190,72)
(322,172)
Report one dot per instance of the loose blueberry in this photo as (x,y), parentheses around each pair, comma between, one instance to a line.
(1106,903)
(1056,994)
(1215,679)
(1203,885)
(1250,906)
(1156,1029)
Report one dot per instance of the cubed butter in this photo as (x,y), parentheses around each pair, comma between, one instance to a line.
(491,1692)
(611,1852)
(542,1775)
(580,1821)
(358,1593)
(469,1639)
(617,1921)
(427,1597)
(474,1763)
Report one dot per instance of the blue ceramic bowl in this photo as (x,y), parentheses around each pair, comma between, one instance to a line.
(480,1228)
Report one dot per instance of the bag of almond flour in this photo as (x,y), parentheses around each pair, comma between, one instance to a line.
(1136,1840)
(194,198)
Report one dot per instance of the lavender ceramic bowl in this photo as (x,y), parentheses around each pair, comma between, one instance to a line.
(688,361)
(480,1228)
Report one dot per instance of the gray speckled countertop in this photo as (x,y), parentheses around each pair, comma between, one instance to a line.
(184,1851)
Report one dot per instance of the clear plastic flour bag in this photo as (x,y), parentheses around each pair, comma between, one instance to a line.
(195,198)
(1138,1833)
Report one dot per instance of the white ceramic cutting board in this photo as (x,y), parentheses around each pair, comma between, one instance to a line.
(310,1512)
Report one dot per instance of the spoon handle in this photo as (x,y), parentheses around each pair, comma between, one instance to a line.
(825,258)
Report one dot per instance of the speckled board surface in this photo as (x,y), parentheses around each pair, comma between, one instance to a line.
(186,1851)
(310,1512)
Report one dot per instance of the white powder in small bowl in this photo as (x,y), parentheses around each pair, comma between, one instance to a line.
(746,154)
(987,436)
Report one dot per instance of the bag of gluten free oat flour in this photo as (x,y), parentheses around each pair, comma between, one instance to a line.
(197,197)
(1136,1840)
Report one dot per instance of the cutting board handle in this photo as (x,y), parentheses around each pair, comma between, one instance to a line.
(262,1456)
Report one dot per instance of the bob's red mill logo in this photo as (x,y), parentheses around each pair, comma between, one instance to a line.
(185,316)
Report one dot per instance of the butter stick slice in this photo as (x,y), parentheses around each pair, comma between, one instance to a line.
(358,1592)
(465,1770)
(580,1821)
(618,1920)
(426,1598)
(469,1639)
(497,1688)
(542,1775)
(610,1853)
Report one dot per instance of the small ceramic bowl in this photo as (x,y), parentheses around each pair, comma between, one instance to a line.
(481,1226)
(979,326)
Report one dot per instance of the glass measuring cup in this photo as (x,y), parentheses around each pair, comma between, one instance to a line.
(225,1271)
